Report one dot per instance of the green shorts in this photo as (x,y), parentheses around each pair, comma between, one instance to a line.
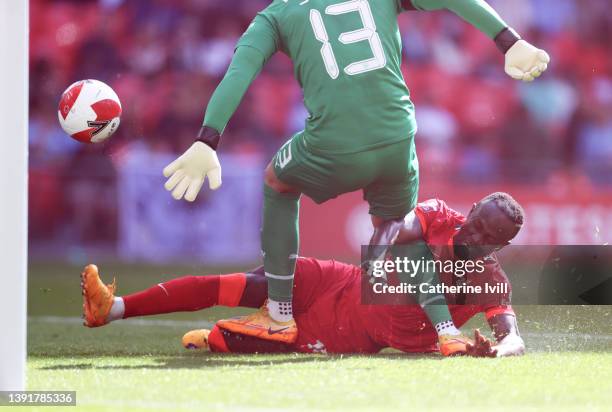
(388,175)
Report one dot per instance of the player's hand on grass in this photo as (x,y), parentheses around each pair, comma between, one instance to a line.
(481,348)
(526,62)
(511,345)
(187,173)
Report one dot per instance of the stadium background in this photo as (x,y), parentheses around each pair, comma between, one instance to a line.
(548,143)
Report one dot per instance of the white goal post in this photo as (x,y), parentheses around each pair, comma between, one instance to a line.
(13,191)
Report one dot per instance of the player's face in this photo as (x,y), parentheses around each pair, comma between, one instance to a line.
(485,230)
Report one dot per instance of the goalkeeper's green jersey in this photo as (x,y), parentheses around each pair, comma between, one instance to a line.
(347,57)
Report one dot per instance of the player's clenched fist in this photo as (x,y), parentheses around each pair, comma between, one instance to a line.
(187,173)
(526,62)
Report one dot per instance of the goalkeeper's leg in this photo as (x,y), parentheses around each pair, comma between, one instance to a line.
(279,241)
(434,305)
(393,195)
(279,244)
(451,341)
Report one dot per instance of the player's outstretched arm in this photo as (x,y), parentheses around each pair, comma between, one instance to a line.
(522,60)
(505,330)
(186,174)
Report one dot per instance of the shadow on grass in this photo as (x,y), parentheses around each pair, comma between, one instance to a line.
(213,360)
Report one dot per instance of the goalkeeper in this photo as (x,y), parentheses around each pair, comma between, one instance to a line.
(359,134)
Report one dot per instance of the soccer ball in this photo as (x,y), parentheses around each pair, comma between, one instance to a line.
(89,111)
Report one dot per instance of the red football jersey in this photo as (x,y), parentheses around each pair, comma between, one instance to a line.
(332,319)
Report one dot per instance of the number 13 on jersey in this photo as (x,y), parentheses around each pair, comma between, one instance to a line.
(367,33)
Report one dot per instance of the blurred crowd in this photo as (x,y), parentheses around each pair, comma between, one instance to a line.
(165,57)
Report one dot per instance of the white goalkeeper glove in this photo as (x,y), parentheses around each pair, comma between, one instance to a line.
(526,62)
(187,173)
(511,345)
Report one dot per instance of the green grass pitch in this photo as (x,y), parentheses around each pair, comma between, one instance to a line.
(140,365)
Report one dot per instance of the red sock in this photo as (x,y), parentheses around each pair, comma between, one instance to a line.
(186,294)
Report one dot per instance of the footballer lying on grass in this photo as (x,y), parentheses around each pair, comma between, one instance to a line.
(327,294)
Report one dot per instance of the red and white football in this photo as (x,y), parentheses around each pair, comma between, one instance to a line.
(89,111)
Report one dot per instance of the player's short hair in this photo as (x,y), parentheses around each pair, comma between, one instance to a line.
(508,205)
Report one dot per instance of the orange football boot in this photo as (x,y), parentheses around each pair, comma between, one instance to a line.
(261,325)
(196,339)
(453,345)
(97,297)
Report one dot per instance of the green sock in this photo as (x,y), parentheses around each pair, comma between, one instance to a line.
(280,241)
(434,305)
